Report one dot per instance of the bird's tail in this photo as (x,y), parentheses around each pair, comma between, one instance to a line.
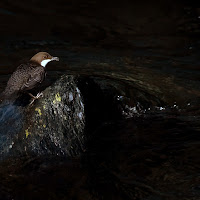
(2,97)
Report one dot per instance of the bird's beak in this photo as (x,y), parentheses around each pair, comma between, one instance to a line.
(55,58)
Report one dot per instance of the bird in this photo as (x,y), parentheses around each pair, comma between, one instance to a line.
(28,76)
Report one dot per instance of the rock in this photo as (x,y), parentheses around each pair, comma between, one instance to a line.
(53,125)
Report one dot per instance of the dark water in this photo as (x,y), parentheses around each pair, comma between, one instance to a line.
(148,151)
(141,95)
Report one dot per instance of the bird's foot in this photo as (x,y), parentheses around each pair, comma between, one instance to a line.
(40,94)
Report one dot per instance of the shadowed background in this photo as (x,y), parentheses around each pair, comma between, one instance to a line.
(103,24)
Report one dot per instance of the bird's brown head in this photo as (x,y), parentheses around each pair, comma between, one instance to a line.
(43,58)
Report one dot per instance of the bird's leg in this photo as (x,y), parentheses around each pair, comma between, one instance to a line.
(40,94)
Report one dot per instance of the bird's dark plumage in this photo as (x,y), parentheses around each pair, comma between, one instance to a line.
(27,76)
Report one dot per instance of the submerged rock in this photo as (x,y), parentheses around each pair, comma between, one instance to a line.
(53,125)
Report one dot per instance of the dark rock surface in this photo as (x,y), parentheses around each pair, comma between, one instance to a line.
(53,125)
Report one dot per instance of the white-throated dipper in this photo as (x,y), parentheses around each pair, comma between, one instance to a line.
(28,76)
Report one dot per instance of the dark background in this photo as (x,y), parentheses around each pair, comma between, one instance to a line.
(107,24)
(93,19)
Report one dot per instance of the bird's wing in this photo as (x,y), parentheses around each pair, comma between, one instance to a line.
(36,76)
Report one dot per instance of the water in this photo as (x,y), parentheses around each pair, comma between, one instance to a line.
(138,68)
(143,126)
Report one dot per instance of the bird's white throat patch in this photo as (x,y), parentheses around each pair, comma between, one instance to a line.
(44,62)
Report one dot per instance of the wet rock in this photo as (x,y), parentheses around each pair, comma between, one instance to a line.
(53,125)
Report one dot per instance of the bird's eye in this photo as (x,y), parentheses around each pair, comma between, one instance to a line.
(44,56)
